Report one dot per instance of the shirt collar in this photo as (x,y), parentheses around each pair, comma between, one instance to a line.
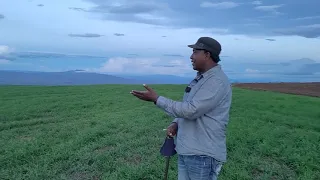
(209,72)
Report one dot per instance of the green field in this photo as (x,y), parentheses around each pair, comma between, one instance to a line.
(103,132)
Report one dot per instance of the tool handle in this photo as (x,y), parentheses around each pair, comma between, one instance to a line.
(167,168)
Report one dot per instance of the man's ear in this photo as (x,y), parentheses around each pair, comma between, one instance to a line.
(208,54)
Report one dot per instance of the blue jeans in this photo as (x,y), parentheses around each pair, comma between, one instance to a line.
(198,168)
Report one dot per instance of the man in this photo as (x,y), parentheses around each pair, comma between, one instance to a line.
(202,117)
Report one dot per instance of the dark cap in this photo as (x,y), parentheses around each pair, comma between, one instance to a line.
(209,44)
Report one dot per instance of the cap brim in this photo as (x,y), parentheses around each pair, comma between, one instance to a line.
(194,46)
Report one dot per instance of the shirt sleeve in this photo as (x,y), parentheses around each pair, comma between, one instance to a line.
(207,98)
(176,120)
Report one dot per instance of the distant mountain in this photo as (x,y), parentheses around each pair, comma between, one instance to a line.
(60,78)
(80,77)
(159,79)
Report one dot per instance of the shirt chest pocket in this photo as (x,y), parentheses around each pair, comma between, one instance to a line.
(193,91)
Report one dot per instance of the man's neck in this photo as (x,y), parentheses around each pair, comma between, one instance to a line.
(208,68)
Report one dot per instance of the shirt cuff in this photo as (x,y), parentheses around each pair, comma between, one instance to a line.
(161,102)
(175,120)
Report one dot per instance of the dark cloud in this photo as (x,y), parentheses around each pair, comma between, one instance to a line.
(307,18)
(147,12)
(128,7)
(307,31)
(78,9)
(39,55)
(304,66)
(285,64)
(2,16)
(86,35)
(163,36)
(8,57)
(310,68)
(76,70)
(302,61)
(40,5)
(118,34)
(133,55)
(270,39)
(173,55)
(165,66)
(250,18)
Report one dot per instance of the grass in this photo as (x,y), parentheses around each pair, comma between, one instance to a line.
(103,132)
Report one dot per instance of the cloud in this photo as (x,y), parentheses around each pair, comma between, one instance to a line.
(127,6)
(160,13)
(270,39)
(121,65)
(40,5)
(131,55)
(152,18)
(312,68)
(2,16)
(303,66)
(221,5)
(44,55)
(308,18)
(248,70)
(216,30)
(6,54)
(173,55)
(5,50)
(5,57)
(257,2)
(86,35)
(8,57)
(4,61)
(252,24)
(118,34)
(78,9)
(149,12)
(301,61)
(307,31)
(272,8)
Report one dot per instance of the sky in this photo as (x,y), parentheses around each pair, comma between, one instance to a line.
(258,38)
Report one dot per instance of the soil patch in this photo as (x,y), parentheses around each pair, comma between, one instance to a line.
(307,89)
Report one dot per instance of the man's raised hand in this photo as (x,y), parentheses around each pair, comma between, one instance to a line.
(148,95)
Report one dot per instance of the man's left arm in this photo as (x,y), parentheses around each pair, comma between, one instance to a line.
(207,97)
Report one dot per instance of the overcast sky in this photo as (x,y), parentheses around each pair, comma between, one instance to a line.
(152,36)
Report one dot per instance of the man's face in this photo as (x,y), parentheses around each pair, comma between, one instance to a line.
(198,59)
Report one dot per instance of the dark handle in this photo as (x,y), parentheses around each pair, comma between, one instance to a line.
(167,168)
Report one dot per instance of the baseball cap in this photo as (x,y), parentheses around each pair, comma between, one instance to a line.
(209,44)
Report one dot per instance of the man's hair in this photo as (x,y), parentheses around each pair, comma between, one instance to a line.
(215,59)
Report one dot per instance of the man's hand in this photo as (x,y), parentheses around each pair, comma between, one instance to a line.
(172,129)
(149,95)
